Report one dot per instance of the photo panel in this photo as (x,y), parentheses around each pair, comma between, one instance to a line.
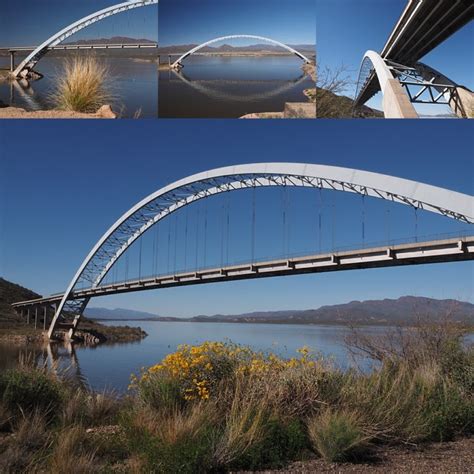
(237,59)
(87,59)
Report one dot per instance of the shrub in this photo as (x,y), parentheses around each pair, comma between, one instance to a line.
(82,85)
(30,389)
(336,435)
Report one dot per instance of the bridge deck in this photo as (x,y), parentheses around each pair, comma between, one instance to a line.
(66,47)
(438,251)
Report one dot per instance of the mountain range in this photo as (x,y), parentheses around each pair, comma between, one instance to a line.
(381,312)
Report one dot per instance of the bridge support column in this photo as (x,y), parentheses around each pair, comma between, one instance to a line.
(45,317)
(36,317)
(12,61)
(169,61)
(396,103)
(28,316)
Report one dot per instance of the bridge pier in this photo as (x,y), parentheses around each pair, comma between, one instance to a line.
(45,317)
(12,61)
(28,316)
(36,317)
(169,61)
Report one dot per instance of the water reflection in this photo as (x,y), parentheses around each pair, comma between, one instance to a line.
(60,358)
(230,87)
(211,87)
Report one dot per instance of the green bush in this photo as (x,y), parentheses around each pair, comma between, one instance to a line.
(28,390)
(283,441)
(336,435)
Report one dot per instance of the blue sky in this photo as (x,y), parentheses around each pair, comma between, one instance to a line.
(190,22)
(346,29)
(65,183)
(30,22)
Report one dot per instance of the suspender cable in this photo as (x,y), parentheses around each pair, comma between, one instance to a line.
(228,229)
(222,231)
(416,224)
(320,219)
(126,266)
(186,240)
(157,246)
(253,223)
(387,224)
(333,219)
(175,240)
(140,259)
(205,233)
(363,220)
(197,235)
(169,247)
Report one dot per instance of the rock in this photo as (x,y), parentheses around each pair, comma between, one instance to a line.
(300,110)
(106,112)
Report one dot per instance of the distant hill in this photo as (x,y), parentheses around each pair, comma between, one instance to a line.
(11,293)
(124,314)
(377,312)
(113,40)
(227,48)
(331,105)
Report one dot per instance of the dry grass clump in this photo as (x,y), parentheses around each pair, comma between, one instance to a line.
(83,85)
(71,455)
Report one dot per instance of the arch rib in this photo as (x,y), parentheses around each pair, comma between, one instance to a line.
(25,67)
(178,63)
(155,207)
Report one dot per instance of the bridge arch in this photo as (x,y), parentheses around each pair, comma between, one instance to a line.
(379,74)
(26,66)
(160,204)
(178,63)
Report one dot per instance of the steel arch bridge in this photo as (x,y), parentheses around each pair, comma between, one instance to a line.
(397,71)
(167,200)
(178,63)
(26,66)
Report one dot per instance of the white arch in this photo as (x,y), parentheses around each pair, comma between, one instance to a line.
(178,63)
(382,72)
(155,207)
(30,61)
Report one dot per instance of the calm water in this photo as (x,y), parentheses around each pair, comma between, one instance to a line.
(229,87)
(111,365)
(134,83)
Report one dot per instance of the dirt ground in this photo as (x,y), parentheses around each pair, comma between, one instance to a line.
(450,457)
(16,113)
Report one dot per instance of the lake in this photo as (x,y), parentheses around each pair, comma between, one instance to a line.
(110,366)
(229,87)
(134,84)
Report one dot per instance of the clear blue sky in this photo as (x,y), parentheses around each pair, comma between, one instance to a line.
(191,22)
(30,22)
(64,183)
(346,29)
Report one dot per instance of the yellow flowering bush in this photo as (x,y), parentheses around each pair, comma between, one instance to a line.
(196,371)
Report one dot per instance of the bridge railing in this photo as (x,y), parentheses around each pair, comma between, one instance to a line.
(293,255)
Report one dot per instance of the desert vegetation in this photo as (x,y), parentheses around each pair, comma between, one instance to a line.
(83,85)
(221,407)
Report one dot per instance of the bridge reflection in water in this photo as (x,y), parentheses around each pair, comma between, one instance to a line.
(230,87)
(60,358)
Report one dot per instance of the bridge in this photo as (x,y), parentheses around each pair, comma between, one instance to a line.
(25,68)
(65,309)
(12,50)
(178,64)
(397,72)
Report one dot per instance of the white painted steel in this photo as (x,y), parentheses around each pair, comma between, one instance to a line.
(73,28)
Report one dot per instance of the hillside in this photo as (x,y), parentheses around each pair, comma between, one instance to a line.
(377,312)
(11,293)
